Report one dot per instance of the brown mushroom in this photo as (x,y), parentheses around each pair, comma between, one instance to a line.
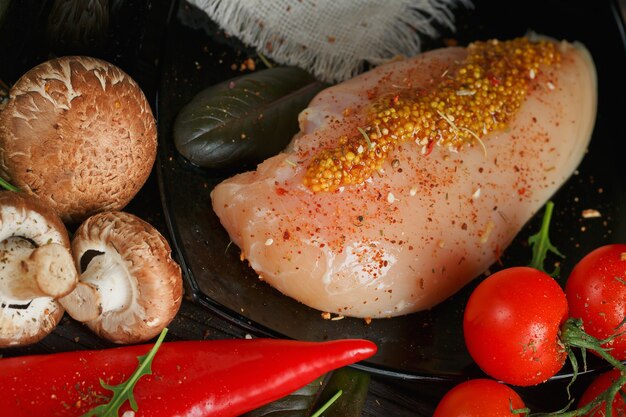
(130,287)
(36,268)
(79,133)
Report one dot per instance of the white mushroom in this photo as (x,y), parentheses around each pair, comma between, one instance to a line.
(130,287)
(36,268)
(79,133)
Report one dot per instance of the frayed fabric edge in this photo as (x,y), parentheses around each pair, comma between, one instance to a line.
(403,39)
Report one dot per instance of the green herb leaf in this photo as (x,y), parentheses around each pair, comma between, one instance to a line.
(6,185)
(540,243)
(244,120)
(354,385)
(297,404)
(124,391)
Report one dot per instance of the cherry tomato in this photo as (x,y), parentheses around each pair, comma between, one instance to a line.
(479,398)
(599,385)
(511,326)
(596,293)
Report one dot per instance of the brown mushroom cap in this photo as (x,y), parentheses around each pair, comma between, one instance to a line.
(130,287)
(35,269)
(28,216)
(79,133)
(18,329)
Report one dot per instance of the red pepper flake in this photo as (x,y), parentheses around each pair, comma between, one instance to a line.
(493,80)
(429,148)
(281,191)
(489,65)
(286,235)
(521,191)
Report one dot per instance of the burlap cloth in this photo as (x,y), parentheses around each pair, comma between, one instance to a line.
(332,39)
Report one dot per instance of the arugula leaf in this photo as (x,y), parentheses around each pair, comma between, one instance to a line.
(541,245)
(124,391)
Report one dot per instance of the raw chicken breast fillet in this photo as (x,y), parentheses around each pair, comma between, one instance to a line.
(426,223)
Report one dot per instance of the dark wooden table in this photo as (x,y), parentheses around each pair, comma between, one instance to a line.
(132,41)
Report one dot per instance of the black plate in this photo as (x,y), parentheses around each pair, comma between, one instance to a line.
(426,345)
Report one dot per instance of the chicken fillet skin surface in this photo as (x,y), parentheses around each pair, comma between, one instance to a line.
(432,215)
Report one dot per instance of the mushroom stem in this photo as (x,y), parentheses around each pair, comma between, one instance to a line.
(130,287)
(83,304)
(29,272)
(104,286)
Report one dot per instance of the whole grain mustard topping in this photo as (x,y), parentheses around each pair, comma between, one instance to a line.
(481,96)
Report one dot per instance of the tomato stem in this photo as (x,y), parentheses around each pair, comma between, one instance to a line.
(517,411)
(574,363)
(573,334)
(593,406)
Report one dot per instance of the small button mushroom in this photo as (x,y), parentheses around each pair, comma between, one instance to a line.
(79,133)
(130,287)
(36,268)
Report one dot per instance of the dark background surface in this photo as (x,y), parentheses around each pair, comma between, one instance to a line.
(425,346)
(132,36)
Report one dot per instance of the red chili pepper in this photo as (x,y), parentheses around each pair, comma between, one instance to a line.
(195,378)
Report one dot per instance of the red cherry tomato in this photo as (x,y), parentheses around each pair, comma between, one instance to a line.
(479,398)
(596,293)
(511,326)
(599,385)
